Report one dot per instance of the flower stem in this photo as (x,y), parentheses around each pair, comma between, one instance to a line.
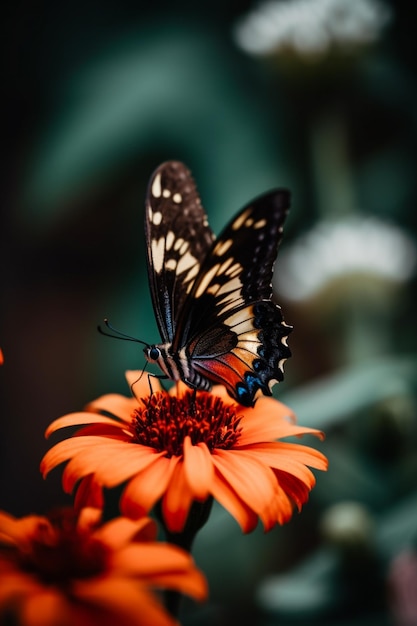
(197,517)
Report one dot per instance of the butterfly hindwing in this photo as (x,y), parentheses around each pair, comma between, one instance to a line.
(212,298)
(177,240)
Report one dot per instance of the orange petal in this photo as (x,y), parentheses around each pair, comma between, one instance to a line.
(254,482)
(142,382)
(120,531)
(8,528)
(126,460)
(16,584)
(161,565)
(220,392)
(45,608)
(145,489)
(270,406)
(228,498)
(64,450)
(125,598)
(269,505)
(179,389)
(88,519)
(198,468)
(282,507)
(75,419)
(89,493)
(277,453)
(148,559)
(114,430)
(192,583)
(116,404)
(295,488)
(177,500)
(281,458)
(264,427)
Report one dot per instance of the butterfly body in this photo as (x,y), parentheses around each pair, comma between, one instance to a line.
(212,298)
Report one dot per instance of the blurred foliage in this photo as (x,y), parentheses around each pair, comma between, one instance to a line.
(97,95)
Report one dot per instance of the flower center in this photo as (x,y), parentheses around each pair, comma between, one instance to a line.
(61,553)
(164,421)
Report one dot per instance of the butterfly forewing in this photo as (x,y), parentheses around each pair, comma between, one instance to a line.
(177,240)
(242,258)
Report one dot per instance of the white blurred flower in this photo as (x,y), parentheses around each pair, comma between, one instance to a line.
(348,524)
(310,27)
(333,250)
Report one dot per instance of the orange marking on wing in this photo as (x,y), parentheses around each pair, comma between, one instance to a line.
(227,369)
(224,373)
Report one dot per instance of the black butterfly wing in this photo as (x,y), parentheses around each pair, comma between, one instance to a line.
(231,331)
(177,240)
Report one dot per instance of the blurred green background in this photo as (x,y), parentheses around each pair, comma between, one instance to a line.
(315,95)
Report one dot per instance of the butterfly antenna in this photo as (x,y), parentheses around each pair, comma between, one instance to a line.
(117,334)
(136,381)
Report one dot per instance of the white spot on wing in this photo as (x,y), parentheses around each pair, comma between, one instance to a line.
(170,238)
(249,346)
(213,289)
(166,193)
(177,197)
(244,326)
(281,365)
(238,318)
(157,218)
(184,247)
(221,248)
(186,262)
(156,186)
(225,265)
(206,280)
(227,306)
(158,247)
(249,337)
(171,264)
(191,274)
(231,285)
(234,270)
(241,219)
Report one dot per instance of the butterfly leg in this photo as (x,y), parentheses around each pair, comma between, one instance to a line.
(193,405)
(151,391)
(159,377)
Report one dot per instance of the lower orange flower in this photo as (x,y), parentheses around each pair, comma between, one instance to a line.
(72,570)
(178,447)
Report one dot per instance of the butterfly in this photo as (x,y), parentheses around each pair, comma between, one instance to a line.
(212,297)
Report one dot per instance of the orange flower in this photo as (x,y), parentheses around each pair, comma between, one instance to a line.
(180,448)
(63,569)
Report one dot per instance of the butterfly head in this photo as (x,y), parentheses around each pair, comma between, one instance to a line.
(161,355)
(152,354)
